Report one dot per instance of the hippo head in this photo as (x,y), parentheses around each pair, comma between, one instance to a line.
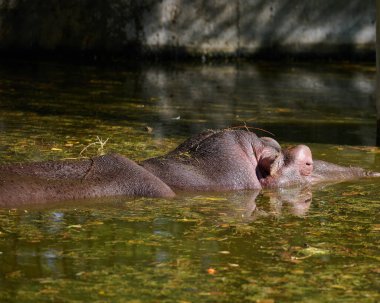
(295,166)
(239,159)
(278,167)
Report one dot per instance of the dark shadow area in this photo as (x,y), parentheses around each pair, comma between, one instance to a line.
(177,29)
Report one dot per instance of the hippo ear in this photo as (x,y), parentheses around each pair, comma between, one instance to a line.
(271,142)
(277,163)
(271,161)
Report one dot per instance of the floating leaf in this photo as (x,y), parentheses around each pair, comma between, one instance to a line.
(75,226)
(211,271)
(149,129)
(352,193)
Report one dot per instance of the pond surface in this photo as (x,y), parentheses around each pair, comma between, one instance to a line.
(291,245)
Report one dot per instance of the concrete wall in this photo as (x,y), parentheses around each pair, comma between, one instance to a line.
(200,27)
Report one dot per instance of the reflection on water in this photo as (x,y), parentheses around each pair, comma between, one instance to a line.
(291,245)
(303,103)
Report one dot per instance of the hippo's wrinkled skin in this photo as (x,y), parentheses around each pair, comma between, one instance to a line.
(211,161)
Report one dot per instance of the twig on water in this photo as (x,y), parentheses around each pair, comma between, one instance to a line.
(249,128)
(98,142)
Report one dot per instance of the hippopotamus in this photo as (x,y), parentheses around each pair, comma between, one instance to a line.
(215,160)
(239,159)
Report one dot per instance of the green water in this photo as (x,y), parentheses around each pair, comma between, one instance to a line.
(318,245)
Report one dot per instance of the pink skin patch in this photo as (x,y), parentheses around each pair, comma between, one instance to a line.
(303,159)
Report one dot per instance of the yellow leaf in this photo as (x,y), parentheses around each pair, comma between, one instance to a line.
(75,226)
(352,193)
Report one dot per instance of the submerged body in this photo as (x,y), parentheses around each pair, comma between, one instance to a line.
(213,160)
(109,175)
